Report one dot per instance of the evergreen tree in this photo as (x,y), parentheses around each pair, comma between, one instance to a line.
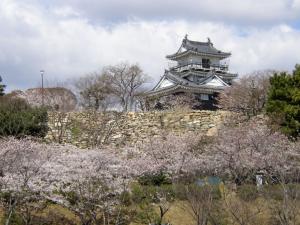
(283,103)
(2,86)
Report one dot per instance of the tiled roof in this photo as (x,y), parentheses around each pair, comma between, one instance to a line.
(197,47)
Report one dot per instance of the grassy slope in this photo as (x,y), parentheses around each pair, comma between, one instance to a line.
(176,215)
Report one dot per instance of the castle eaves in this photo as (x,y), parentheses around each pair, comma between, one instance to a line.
(198,48)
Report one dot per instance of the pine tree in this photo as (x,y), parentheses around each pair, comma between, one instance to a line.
(283,103)
(2,87)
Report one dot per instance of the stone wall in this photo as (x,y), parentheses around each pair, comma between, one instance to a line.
(88,129)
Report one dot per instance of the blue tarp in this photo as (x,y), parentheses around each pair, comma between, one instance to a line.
(209,180)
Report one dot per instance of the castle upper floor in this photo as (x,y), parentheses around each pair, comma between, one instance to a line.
(199,56)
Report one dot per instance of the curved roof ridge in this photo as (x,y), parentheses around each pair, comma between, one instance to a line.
(179,79)
(198,47)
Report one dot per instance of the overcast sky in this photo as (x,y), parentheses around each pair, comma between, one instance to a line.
(70,38)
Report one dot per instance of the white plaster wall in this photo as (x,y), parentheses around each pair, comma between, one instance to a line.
(197,59)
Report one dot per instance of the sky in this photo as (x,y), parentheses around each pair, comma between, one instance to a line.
(71,38)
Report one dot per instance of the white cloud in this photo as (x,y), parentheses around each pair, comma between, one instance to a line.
(66,11)
(296,5)
(67,45)
(234,11)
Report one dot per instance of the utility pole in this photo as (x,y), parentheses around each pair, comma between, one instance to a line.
(42,75)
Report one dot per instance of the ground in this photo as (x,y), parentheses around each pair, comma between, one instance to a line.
(176,215)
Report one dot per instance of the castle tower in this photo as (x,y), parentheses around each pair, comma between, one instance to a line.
(199,68)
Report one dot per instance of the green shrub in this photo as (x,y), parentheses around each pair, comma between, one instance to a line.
(2,87)
(142,193)
(148,199)
(15,219)
(156,179)
(283,105)
(247,192)
(151,194)
(19,119)
(70,196)
(125,198)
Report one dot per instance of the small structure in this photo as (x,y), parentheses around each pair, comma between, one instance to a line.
(259,177)
(200,71)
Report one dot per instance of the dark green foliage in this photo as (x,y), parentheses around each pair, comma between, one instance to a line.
(15,219)
(19,119)
(151,194)
(5,196)
(283,104)
(150,200)
(126,198)
(2,87)
(51,218)
(71,197)
(156,179)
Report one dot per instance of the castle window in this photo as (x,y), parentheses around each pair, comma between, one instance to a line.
(204,97)
(205,63)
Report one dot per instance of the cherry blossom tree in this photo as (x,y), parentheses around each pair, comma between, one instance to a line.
(22,165)
(248,95)
(243,150)
(34,172)
(169,153)
(90,182)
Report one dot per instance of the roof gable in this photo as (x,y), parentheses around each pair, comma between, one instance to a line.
(214,81)
(164,82)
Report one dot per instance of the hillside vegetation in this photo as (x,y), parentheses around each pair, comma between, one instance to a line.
(247,173)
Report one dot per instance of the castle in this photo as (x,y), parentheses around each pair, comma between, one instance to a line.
(200,71)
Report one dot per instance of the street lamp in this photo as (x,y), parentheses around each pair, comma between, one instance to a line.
(42,75)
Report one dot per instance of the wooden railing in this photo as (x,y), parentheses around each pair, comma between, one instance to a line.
(199,66)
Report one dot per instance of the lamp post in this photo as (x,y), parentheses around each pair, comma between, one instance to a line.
(42,75)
